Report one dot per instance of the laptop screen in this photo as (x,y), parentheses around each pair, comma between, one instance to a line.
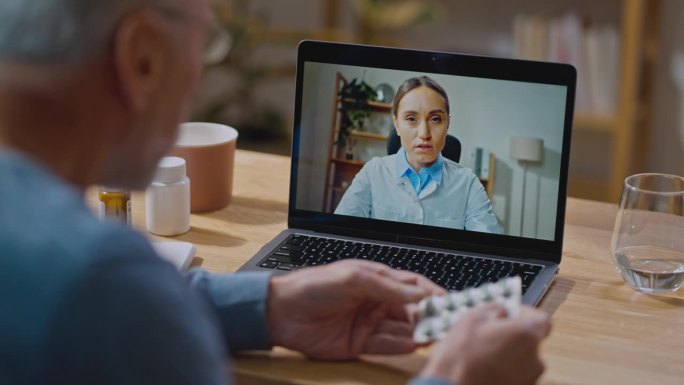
(442,143)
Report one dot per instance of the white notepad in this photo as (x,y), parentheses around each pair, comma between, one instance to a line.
(180,254)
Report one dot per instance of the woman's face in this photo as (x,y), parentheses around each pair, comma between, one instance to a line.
(422,122)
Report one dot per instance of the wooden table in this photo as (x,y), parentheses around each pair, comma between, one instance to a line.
(603,331)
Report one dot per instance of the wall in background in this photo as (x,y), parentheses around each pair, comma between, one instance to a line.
(485,28)
(667,126)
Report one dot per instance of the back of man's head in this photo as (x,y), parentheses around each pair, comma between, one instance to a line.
(112,80)
(52,31)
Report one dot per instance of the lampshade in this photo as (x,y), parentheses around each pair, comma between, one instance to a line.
(527,149)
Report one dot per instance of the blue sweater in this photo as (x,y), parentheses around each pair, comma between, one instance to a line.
(89,302)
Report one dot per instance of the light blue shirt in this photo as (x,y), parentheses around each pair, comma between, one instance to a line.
(421,179)
(382,191)
(89,302)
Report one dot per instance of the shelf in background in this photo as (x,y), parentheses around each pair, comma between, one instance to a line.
(376,106)
(366,134)
(380,106)
(351,162)
(595,122)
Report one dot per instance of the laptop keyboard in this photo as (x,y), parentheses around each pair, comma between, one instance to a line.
(451,271)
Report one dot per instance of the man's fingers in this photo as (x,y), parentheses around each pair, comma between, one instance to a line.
(403,312)
(400,286)
(389,344)
(384,289)
(399,275)
(412,311)
(397,328)
(535,321)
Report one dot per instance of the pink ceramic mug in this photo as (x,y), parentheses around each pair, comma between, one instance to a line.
(209,152)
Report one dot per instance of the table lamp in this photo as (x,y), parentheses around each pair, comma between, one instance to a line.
(526,151)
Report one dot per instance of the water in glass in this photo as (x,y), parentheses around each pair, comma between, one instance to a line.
(648,238)
(651,269)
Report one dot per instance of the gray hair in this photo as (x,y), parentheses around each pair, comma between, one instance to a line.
(60,30)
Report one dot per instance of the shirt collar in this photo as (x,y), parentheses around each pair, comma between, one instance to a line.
(403,167)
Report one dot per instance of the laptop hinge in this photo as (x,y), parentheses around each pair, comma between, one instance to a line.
(469,247)
(350,232)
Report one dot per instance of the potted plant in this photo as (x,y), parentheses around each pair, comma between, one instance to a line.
(354,108)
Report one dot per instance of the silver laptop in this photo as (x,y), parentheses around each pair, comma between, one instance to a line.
(491,205)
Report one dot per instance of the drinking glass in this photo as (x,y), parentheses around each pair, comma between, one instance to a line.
(648,238)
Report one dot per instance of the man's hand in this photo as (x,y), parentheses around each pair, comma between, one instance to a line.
(485,348)
(344,309)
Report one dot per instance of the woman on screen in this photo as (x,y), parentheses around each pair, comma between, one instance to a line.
(417,184)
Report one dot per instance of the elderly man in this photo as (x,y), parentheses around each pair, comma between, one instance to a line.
(92,92)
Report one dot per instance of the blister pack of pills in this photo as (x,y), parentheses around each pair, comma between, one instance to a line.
(438,313)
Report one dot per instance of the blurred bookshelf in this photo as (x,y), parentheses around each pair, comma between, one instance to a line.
(619,37)
(342,165)
(615,45)
(615,62)
(628,124)
(615,67)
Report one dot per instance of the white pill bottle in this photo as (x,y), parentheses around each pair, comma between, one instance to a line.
(168,199)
